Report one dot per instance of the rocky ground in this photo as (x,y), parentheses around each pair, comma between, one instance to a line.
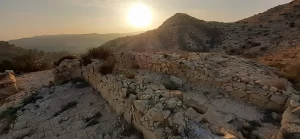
(72,110)
(223,111)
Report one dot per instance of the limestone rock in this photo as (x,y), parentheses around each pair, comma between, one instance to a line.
(294,103)
(200,108)
(191,113)
(273,89)
(238,93)
(178,118)
(278,99)
(141,105)
(296,111)
(155,115)
(176,81)
(177,94)
(239,85)
(166,114)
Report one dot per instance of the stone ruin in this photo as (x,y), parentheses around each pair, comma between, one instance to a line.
(8,84)
(244,87)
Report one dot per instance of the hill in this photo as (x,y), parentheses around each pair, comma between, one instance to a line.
(22,60)
(8,50)
(76,43)
(276,28)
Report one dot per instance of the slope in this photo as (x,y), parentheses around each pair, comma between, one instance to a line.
(276,28)
(76,43)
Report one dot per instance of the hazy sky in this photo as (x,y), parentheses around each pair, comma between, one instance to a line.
(25,18)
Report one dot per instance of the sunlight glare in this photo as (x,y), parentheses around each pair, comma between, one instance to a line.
(139,15)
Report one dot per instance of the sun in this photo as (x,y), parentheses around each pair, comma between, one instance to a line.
(139,15)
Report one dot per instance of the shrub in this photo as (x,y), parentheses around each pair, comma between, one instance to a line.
(99,53)
(108,67)
(64,58)
(85,59)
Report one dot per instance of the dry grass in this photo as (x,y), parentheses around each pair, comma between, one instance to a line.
(99,53)
(108,67)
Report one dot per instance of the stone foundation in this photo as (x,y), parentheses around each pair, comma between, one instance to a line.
(243,79)
(161,113)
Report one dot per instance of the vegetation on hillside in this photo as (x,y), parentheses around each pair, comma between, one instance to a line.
(22,60)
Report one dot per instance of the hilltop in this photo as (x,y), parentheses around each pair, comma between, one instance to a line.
(276,28)
(74,43)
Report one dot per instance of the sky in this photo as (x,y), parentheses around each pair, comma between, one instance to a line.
(27,18)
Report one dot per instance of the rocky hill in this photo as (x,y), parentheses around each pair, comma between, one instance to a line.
(8,50)
(77,43)
(276,28)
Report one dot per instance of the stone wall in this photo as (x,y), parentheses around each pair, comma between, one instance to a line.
(157,112)
(243,79)
(161,113)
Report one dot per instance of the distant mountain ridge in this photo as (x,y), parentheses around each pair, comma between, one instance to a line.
(274,29)
(74,43)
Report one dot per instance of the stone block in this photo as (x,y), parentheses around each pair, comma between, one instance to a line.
(278,99)
(200,108)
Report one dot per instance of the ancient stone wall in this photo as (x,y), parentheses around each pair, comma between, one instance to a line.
(151,108)
(243,79)
(159,112)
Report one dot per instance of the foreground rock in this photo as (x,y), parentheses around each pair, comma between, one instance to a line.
(68,112)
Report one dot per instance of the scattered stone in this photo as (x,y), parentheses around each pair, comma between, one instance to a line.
(166,114)
(191,113)
(273,89)
(177,94)
(176,81)
(200,108)
(155,115)
(171,103)
(239,85)
(265,87)
(238,93)
(141,105)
